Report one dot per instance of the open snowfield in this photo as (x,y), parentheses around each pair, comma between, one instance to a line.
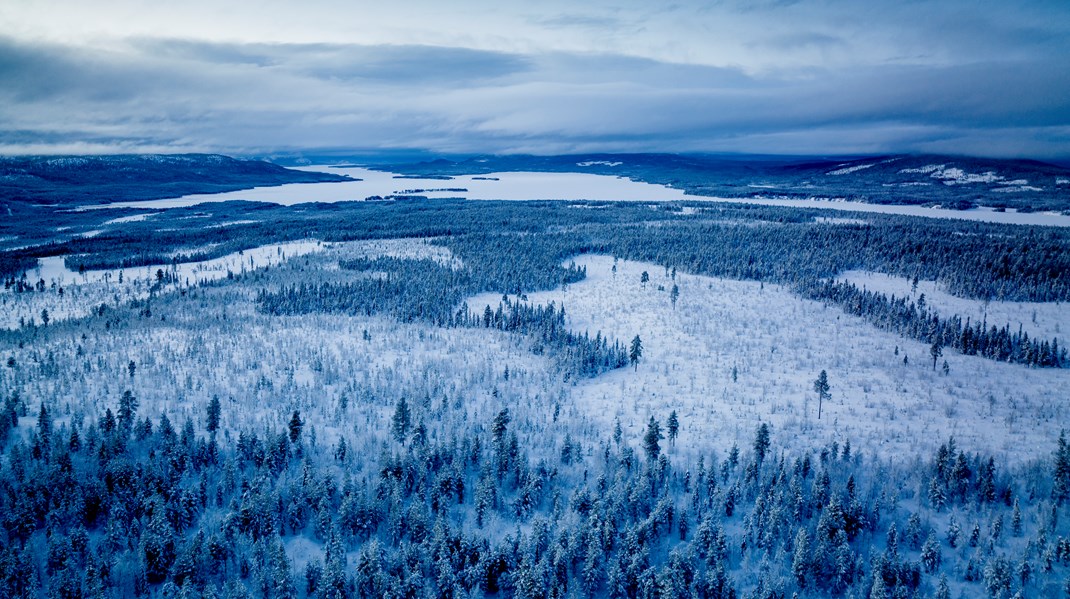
(777,343)
(730,355)
(403,249)
(1043,320)
(83,292)
(550,186)
(214,342)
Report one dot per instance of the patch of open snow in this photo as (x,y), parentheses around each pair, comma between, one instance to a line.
(828,220)
(956,176)
(599,162)
(777,343)
(233,223)
(850,169)
(403,248)
(1017,188)
(1043,320)
(83,292)
(133,218)
(923,169)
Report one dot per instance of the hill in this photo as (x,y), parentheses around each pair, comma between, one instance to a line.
(80,180)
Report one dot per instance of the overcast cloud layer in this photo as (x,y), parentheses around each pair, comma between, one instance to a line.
(783,77)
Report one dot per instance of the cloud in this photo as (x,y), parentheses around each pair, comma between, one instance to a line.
(827,87)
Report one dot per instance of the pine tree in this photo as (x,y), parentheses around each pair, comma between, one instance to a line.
(930,554)
(936,350)
(674,295)
(673,427)
(214,412)
(635,352)
(399,424)
(651,438)
(821,387)
(128,405)
(44,423)
(800,564)
(295,426)
(1061,479)
(501,422)
(761,443)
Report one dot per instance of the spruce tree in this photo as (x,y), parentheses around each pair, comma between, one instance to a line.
(635,352)
(399,424)
(1061,479)
(128,405)
(821,387)
(214,412)
(651,438)
(761,443)
(295,426)
(673,427)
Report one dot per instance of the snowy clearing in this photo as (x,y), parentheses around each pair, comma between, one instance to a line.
(1044,320)
(404,249)
(777,343)
(83,292)
(850,169)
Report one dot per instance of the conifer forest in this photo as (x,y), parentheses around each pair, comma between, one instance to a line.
(549,399)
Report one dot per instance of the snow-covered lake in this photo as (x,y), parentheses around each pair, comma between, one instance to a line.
(550,186)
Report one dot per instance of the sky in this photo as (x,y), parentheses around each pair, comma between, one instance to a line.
(820,77)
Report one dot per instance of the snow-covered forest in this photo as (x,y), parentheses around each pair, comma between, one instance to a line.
(440,398)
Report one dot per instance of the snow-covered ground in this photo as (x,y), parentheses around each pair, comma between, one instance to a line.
(553,186)
(404,248)
(728,357)
(83,292)
(777,343)
(1046,320)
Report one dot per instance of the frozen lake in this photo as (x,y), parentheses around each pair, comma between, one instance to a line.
(551,186)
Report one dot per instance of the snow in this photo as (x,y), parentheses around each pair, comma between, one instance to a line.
(1018,188)
(778,343)
(1046,320)
(555,186)
(930,168)
(850,169)
(599,162)
(130,219)
(233,223)
(957,176)
(839,221)
(408,248)
(83,292)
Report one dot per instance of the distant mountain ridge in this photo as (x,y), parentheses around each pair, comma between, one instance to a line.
(949,181)
(67,180)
